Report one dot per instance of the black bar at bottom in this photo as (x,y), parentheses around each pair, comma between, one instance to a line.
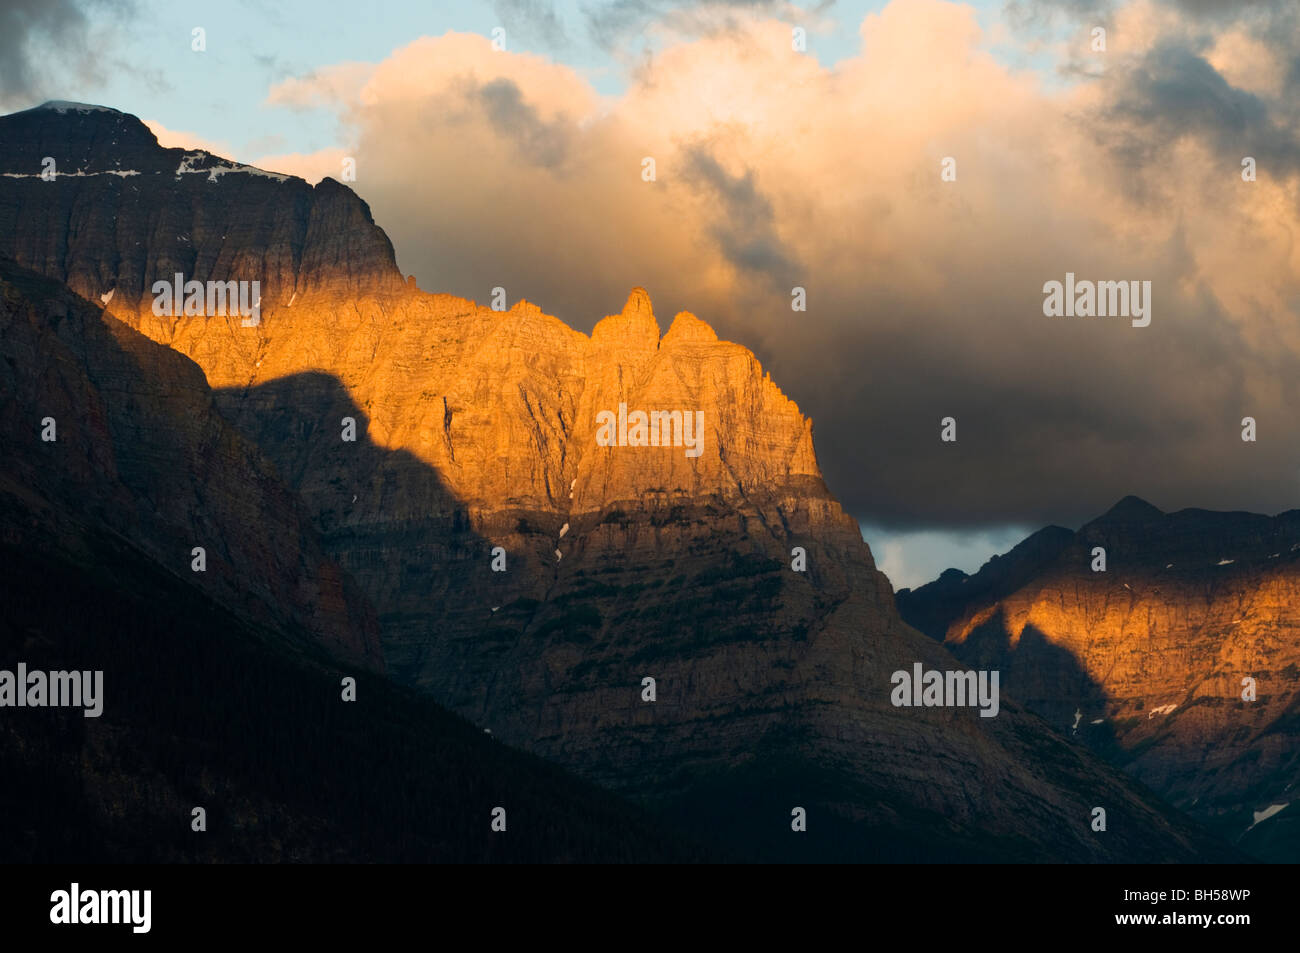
(337,903)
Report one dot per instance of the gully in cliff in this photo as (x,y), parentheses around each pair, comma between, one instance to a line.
(658,428)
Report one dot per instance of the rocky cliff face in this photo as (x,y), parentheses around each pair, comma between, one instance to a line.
(160,211)
(730,576)
(1146,660)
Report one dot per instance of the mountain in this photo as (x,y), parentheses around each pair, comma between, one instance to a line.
(1151,653)
(150,221)
(221,689)
(721,567)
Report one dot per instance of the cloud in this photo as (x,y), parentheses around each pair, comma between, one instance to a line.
(44,44)
(324,87)
(924,296)
(312,166)
(175,139)
(540,142)
(1173,92)
(744,226)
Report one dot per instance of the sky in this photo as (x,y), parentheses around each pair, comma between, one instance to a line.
(821,169)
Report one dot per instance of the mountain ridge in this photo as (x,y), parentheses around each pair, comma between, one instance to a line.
(1149,662)
(734,578)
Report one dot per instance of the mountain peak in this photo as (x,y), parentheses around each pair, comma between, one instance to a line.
(688,329)
(638,303)
(634,327)
(1131,509)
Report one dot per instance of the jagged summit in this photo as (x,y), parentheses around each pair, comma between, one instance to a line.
(638,302)
(634,327)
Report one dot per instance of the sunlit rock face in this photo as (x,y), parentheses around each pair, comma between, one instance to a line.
(1155,657)
(720,565)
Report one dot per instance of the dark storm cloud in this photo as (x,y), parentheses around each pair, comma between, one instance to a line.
(34,34)
(1222,8)
(1057,429)
(1056,418)
(1174,92)
(1059,418)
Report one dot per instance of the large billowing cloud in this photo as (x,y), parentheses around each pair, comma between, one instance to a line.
(925,297)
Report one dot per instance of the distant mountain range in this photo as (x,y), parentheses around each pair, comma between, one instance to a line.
(1147,662)
(732,577)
